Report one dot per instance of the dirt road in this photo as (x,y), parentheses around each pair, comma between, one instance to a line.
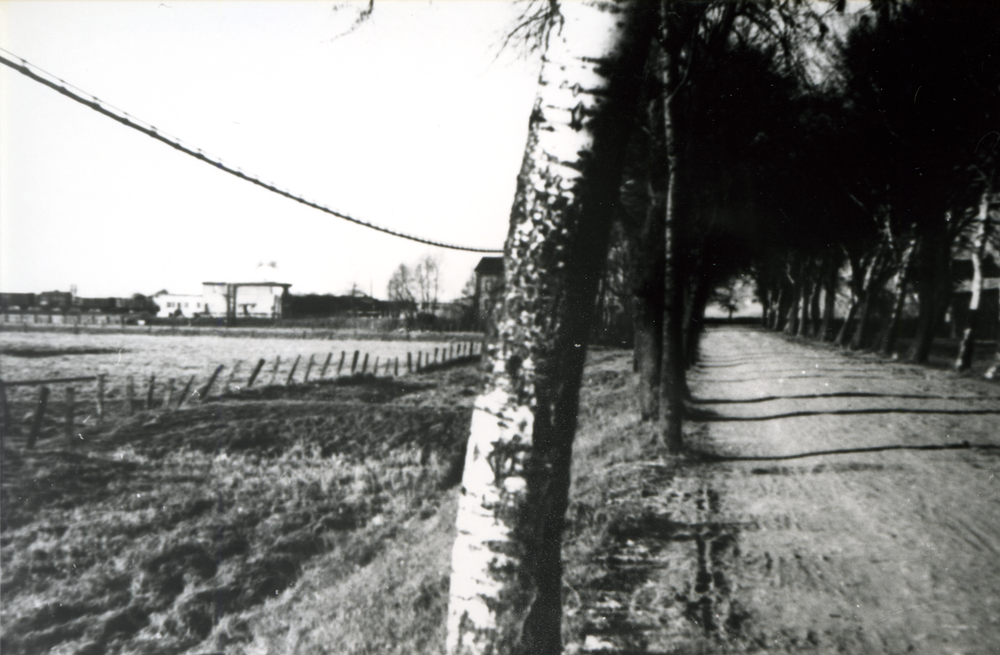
(877,542)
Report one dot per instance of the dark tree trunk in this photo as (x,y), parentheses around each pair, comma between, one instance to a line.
(861,330)
(845,328)
(866,298)
(780,307)
(829,303)
(933,289)
(891,334)
(648,306)
(673,384)
(815,331)
(803,329)
(795,297)
(696,319)
(792,316)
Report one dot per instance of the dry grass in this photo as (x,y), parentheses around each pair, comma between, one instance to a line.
(168,533)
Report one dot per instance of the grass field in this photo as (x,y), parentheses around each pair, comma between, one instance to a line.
(169,532)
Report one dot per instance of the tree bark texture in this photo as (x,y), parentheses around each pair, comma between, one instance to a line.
(830,284)
(505,594)
(966,346)
(648,308)
(673,382)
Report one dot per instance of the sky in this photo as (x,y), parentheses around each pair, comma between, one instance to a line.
(415,120)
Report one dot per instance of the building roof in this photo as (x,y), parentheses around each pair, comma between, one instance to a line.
(490,266)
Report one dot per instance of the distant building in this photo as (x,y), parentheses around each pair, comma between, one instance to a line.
(16,301)
(489,286)
(179,304)
(229,299)
(247,299)
(55,300)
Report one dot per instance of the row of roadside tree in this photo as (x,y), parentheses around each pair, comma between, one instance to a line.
(821,149)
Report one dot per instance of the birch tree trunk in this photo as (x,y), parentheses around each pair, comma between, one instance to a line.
(506,575)
(966,346)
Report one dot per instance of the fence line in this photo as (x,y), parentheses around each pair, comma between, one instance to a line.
(126,391)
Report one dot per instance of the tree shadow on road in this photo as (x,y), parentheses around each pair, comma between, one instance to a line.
(838,394)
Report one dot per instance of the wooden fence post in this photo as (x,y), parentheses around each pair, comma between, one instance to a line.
(184,393)
(36,420)
(354,362)
(364,367)
(129,395)
(256,372)
(291,374)
(149,391)
(375,367)
(274,373)
(396,369)
(232,375)
(409,362)
(326,365)
(169,398)
(203,392)
(70,421)
(420,354)
(435,355)
(305,378)
(100,397)
(343,353)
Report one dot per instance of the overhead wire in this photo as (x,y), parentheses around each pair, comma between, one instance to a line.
(92,102)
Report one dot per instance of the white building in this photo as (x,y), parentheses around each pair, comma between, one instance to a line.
(228,299)
(236,299)
(178,304)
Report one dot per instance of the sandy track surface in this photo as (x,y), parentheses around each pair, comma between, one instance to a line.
(759,545)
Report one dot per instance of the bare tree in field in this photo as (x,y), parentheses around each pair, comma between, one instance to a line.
(427,274)
(400,289)
(506,569)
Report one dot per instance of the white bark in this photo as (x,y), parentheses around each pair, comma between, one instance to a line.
(517,459)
